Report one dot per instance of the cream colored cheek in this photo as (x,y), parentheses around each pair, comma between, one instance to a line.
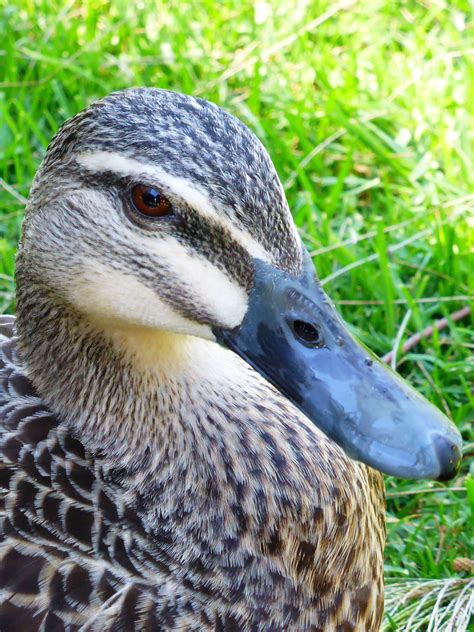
(207,286)
(110,297)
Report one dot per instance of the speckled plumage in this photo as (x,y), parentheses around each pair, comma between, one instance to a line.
(185,494)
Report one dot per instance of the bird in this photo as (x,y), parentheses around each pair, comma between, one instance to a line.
(191,438)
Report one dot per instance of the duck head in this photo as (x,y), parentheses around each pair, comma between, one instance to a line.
(161,211)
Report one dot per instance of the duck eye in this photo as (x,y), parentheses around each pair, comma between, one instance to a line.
(149,201)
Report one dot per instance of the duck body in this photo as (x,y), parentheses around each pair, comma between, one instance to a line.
(232,535)
(187,429)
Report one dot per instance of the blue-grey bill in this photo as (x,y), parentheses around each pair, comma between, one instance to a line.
(344,389)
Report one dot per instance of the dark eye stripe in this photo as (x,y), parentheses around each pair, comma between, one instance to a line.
(207,237)
(213,241)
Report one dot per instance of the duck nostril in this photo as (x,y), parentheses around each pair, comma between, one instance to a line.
(306,333)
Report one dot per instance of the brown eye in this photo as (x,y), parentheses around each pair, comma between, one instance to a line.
(149,201)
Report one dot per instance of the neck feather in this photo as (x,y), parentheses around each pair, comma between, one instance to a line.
(148,399)
(153,401)
(123,389)
(210,445)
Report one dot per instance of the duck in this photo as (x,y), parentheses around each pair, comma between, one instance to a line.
(191,437)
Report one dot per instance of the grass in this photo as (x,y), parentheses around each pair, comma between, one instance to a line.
(365,109)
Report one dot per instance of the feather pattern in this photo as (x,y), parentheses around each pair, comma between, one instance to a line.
(80,550)
(150,479)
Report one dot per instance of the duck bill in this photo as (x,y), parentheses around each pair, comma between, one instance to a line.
(292,335)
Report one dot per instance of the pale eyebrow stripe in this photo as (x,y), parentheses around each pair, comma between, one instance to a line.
(193,195)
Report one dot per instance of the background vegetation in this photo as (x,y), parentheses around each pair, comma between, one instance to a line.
(365,109)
